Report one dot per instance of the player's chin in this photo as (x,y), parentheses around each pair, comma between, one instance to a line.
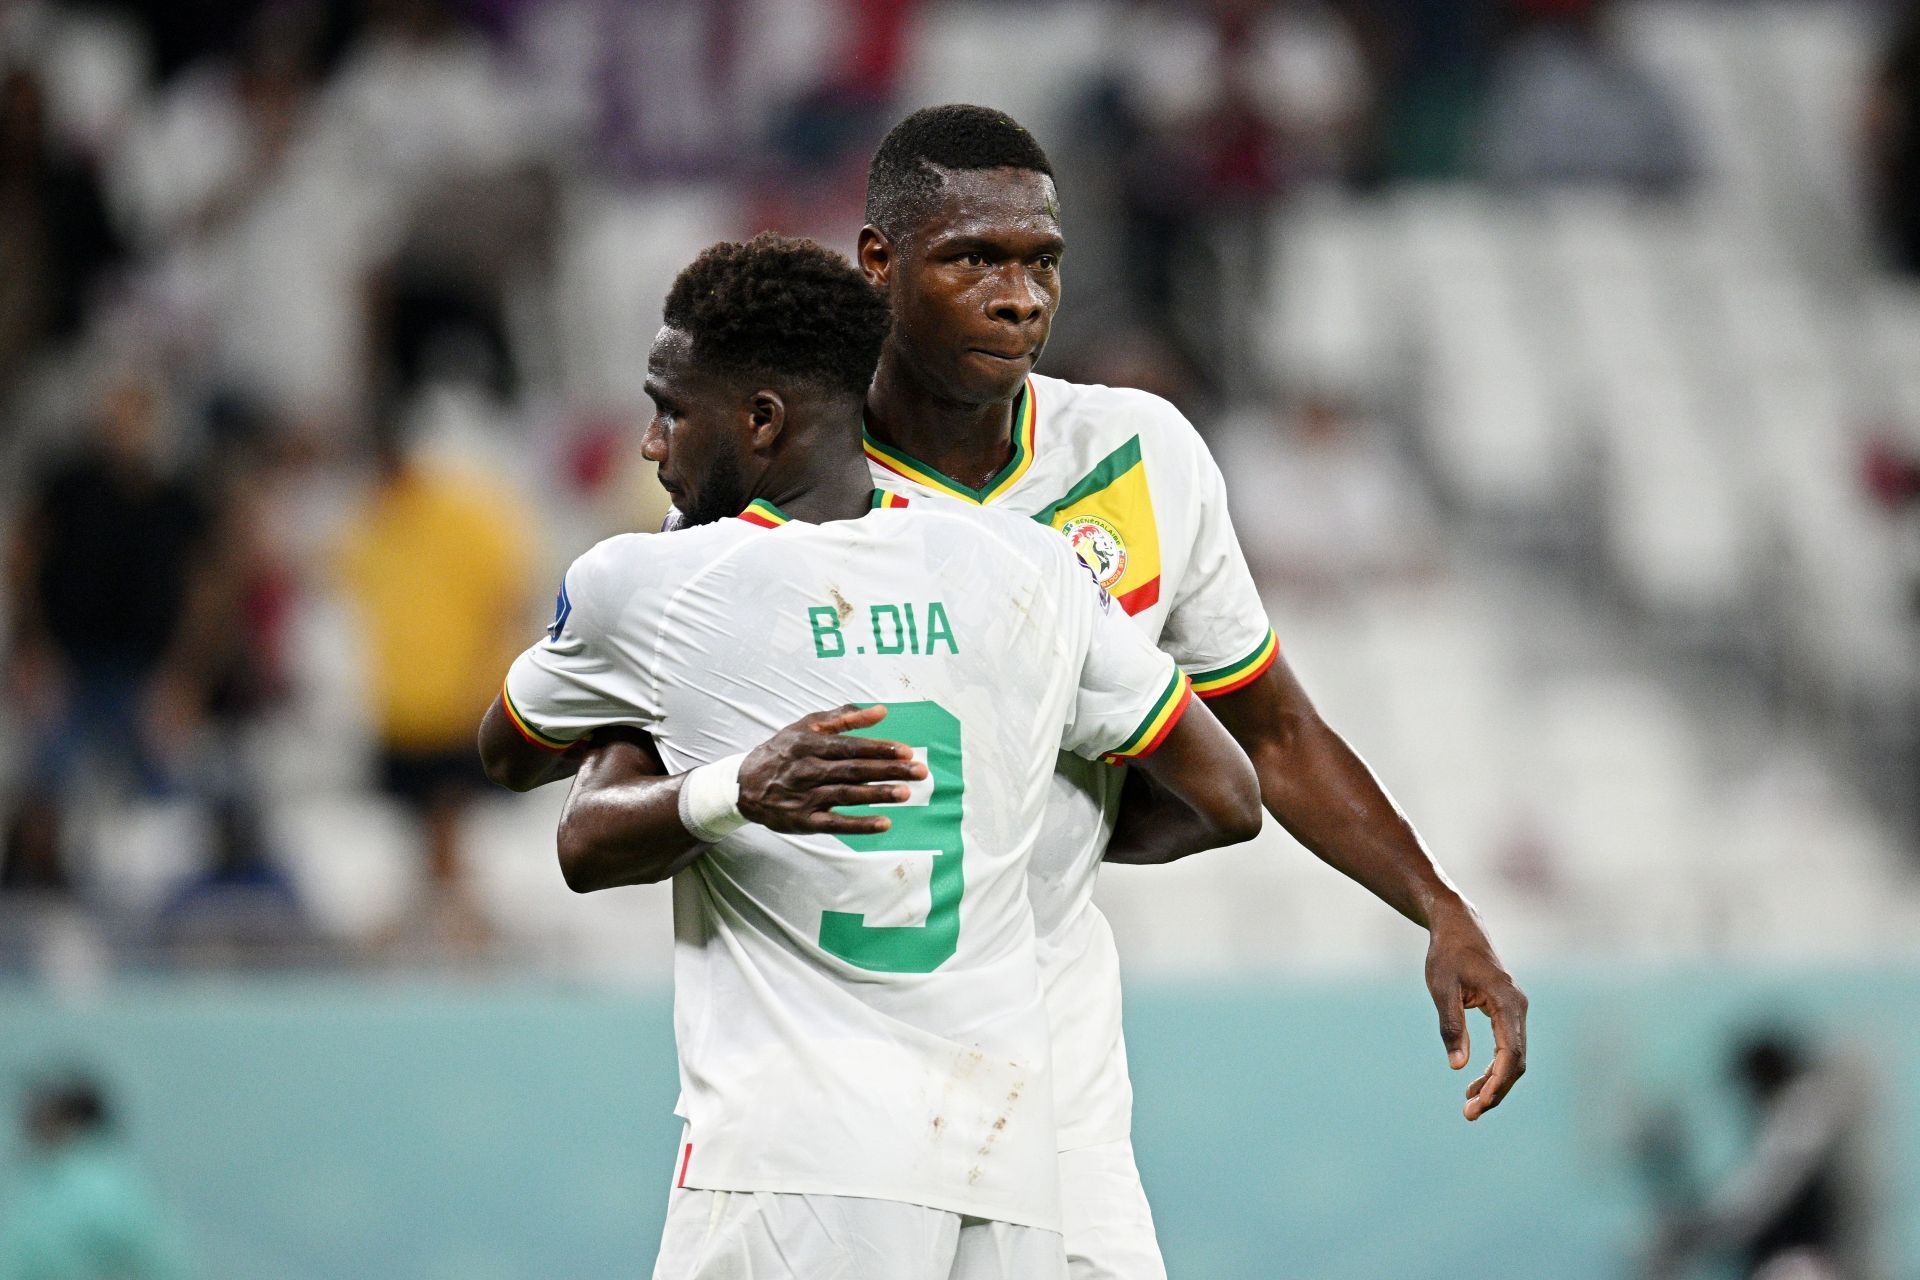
(986,379)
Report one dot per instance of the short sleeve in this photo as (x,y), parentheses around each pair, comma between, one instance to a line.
(1217,628)
(581,676)
(1128,694)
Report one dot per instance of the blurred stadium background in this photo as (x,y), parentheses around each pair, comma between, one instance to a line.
(1564,358)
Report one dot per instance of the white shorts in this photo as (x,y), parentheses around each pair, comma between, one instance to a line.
(768,1235)
(1109,1228)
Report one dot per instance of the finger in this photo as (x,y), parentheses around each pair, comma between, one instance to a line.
(1500,1078)
(1507,1009)
(841,719)
(845,772)
(826,747)
(1453,1023)
(842,797)
(827,822)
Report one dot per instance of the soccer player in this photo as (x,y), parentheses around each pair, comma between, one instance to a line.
(963,235)
(862,1030)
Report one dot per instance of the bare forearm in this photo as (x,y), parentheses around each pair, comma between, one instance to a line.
(622,824)
(1324,794)
(1154,827)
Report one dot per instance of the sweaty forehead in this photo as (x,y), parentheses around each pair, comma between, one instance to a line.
(671,356)
(988,202)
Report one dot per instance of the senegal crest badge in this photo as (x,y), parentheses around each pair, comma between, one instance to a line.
(1100,545)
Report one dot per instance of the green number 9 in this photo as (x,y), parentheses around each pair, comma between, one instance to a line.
(934,826)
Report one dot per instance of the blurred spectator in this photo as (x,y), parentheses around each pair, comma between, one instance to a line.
(120,592)
(32,863)
(80,1209)
(1892,127)
(247,674)
(1429,61)
(56,240)
(183,33)
(1322,500)
(438,565)
(242,910)
(666,80)
(473,249)
(421,98)
(1567,105)
(45,927)
(1215,113)
(1800,1206)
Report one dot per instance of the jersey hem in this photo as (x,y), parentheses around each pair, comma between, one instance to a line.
(525,728)
(1238,675)
(991,1211)
(1080,1138)
(1167,710)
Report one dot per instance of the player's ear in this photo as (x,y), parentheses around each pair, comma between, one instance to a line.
(766,419)
(875,256)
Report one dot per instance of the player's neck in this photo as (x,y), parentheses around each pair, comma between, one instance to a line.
(970,443)
(842,490)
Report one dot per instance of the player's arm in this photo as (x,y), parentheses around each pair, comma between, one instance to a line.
(1322,792)
(575,686)
(515,760)
(1196,792)
(1133,705)
(626,819)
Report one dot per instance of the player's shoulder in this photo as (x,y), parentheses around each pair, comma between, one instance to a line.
(627,562)
(1092,411)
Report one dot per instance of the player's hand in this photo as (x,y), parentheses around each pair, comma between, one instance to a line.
(1463,973)
(795,780)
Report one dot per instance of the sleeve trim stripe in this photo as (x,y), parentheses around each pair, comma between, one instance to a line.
(527,731)
(1237,675)
(1167,710)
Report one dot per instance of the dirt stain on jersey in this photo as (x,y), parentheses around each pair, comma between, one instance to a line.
(840,603)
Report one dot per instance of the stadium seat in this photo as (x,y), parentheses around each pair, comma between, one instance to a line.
(354,857)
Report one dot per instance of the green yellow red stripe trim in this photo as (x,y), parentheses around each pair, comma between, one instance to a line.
(1167,710)
(1238,675)
(527,731)
(1025,414)
(1103,475)
(764,514)
(884,500)
(1144,596)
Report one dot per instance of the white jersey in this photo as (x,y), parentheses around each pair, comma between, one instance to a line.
(1132,487)
(861,1016)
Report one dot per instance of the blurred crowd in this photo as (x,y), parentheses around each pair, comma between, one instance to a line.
(290,319)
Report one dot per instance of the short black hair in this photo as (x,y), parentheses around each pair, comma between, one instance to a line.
(786,308)
(905,174)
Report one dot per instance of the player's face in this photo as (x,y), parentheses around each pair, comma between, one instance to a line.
(697,436)
(974,287)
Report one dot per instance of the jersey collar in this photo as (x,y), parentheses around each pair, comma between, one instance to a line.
(763,514)
(900,464)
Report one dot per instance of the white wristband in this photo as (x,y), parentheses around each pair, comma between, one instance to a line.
(710,800)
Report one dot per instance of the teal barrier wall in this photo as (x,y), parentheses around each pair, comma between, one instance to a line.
(1306,1131)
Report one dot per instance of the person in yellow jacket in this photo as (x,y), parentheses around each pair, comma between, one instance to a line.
(439,569)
